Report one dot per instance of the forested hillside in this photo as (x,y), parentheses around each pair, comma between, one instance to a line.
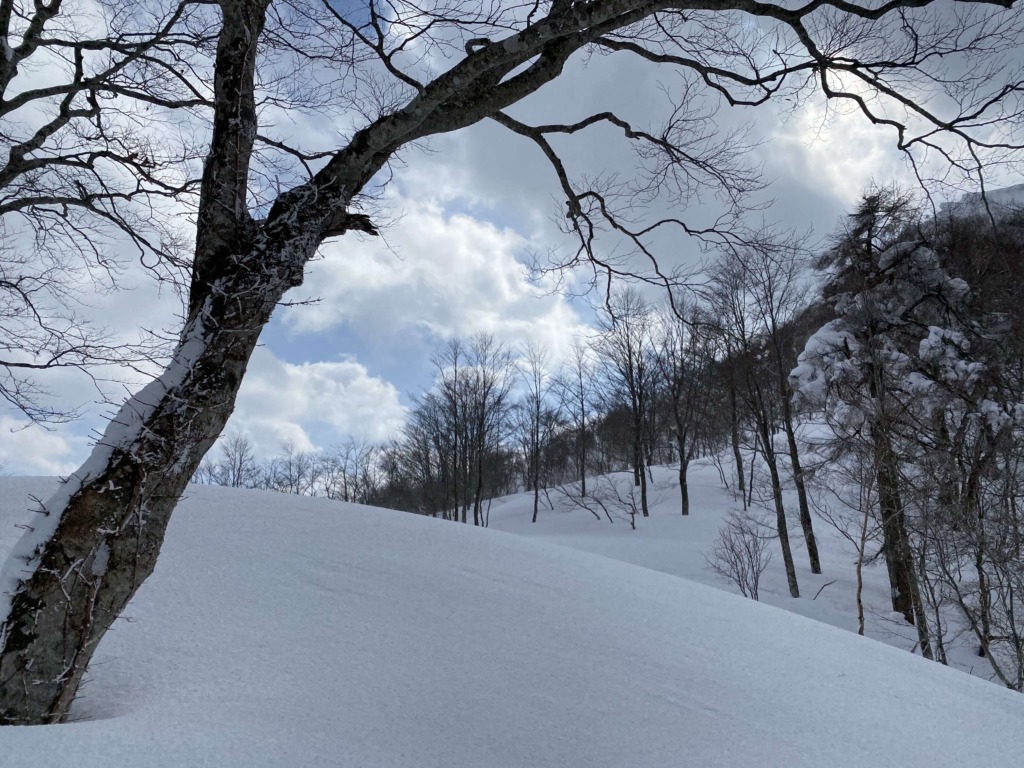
(875,386)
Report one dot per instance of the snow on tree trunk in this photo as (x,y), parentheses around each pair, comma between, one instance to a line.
(98,538)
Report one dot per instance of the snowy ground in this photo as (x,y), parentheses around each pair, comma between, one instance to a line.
(285,631)
(672,544)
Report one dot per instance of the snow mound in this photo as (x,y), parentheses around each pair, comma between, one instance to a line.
(281,630)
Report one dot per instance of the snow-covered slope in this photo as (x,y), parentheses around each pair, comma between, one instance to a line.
(676,545)
(1000,202)
(284,631)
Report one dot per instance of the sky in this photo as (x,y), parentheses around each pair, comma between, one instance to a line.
(463,217)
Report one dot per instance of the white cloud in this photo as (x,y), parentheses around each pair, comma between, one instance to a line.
(451,275)
(34,450)
(839,153)
(310,404)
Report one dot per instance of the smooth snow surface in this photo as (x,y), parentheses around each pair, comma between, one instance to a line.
(677,545)
(286,631)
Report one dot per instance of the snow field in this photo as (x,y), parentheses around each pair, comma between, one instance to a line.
(281,630)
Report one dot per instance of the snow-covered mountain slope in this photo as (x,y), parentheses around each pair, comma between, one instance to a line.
(285,631)
(1000,202)
(672,544)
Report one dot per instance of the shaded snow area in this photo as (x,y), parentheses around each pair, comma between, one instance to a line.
(286,631)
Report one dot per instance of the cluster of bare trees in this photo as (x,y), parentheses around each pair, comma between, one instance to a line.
(658,382)
(914,373)
(348,471)
(108,143)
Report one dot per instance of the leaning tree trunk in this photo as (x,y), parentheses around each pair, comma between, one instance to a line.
(115,511)
(763,423)
(98,538)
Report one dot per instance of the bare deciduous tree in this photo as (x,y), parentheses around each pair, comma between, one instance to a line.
(741,556)
(776,289)
(683,357)
(735,311)
(577,391)
(236,468)
(625,348)
(536,417)
(611,497)
(349,471)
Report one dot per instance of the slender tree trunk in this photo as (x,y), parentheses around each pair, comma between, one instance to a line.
(928,588)
(455,461)
(583,464)
(638,460)
(801,490)
(862,544)
(897,553)
(479,493)
(780,511)
(536,481)
(684,491)
(750,486)
(984,595)
(639,473)
(734,425)
(899,559)
(975,512)
(643,493)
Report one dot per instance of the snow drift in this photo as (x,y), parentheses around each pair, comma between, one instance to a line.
(281,630)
